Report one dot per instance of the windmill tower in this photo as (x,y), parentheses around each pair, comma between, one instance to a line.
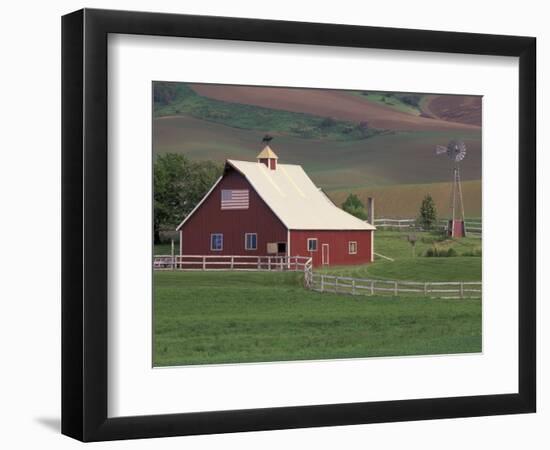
(456,152)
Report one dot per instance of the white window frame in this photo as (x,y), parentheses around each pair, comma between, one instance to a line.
(211,242)
(316,244)
(349,248)
(246,241)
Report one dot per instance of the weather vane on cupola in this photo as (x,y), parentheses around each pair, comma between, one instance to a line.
(268,156)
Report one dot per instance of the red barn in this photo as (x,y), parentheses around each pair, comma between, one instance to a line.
(265,208)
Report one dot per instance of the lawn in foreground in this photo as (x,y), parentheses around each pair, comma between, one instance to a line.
(232,317)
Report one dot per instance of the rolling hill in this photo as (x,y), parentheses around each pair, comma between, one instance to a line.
(326,102)
(321,130)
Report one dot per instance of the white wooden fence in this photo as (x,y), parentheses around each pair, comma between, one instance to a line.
(395,223)
(363,286)
(319,282)
(231,262)
(473,226)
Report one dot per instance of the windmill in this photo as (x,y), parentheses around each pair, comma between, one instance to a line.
(456,152)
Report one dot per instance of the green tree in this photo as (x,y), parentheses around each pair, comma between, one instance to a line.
(355,207)
(428,213)
(179,184)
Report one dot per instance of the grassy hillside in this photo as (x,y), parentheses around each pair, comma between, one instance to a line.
(229,317)
(174,99)
(407,103)
(319,130)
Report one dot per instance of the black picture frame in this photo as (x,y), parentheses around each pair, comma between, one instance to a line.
(84,224)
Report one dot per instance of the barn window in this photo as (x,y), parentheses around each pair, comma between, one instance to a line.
(352,247)
(312,245)
(216,241)
(250,241)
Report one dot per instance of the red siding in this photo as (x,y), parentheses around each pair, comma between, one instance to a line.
(337,246)
(269,162)
(233,224)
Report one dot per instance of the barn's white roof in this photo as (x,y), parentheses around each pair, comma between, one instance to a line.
(295,200)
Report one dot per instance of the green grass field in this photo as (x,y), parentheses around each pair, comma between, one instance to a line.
(394,244)
(416,269)
(234,317)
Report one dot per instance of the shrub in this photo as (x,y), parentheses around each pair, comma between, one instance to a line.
(451,252)
(440,253)
(431,252)
(327,122)
(475,252)
(355,207)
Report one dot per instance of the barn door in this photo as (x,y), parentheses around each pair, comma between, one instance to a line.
(325,254)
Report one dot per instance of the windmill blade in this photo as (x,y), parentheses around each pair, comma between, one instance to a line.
(440,149)
(457,150)
(460,156)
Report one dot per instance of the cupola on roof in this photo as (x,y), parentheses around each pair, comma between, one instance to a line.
(267,153)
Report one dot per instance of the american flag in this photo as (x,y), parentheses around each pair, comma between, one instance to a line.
(234,198)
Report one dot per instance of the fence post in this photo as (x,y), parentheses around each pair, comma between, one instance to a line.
(425,288)
(204,263)
(232,262)
(172,264)
(322,282)
(269,263)
(352,287)
(372,287)
(395,291)
(336,285)
(461,289)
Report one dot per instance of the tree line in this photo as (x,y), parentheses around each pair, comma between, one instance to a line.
(179,184)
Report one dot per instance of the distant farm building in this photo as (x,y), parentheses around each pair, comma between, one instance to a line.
(264,208)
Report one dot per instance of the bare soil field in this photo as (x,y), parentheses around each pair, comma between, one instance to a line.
(399,158)
(330,103)
(403,201)
(455,108)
